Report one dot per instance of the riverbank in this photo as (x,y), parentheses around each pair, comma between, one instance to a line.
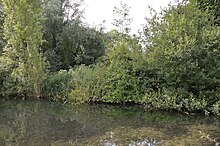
(173,65)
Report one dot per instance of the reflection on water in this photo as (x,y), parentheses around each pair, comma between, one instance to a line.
(42,124)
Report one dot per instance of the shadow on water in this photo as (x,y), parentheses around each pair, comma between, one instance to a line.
(43,123)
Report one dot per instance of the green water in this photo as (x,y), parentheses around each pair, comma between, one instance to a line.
(49,124)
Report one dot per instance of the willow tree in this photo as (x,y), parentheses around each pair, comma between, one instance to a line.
(22,26)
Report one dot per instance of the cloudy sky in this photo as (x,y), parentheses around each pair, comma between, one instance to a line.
(98,10)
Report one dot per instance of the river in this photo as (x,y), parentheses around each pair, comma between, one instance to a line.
(41,123)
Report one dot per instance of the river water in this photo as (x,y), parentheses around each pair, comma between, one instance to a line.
(31,123)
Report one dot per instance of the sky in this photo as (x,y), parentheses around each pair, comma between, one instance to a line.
(98,10)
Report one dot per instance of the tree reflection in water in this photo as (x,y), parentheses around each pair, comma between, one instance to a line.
(42,123)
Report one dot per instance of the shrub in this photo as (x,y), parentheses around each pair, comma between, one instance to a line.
(84,80)
(183,45)
(57,85)
(119,78)
(122,74)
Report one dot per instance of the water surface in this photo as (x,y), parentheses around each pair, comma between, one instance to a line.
(31,123)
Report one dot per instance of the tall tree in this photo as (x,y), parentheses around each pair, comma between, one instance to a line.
(59,14)
(23,31)
(122,22)
(122,19)
(80,45)
(2,42)
(69,41)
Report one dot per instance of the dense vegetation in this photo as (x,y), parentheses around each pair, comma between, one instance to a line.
(48,52)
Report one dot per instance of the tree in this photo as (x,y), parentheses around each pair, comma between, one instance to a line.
(23,32)
(2,42)
(58,14)
(79,44)
(69,41)
(120,72)
(122,20)
(57,20)
(183,46)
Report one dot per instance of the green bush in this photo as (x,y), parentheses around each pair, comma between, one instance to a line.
(77,85)
(122,75)
(84,80)
(184,47)
(57,86)
(178,99)
(216,108)
(11,79)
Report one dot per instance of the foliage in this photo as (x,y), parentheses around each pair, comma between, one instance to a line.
(2,17)
(57,86)
(122,20)
(80,45)
(22,29)
(74,86)
(57,17)
(183,46)
(178,69)
(69,42)
(117,79)
(212,6)
(121,83)
(6,68)
(84,81)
